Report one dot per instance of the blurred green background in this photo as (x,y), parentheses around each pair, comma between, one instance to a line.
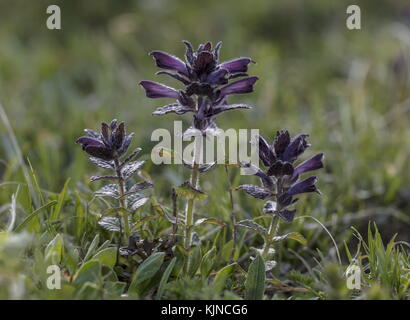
(348,89)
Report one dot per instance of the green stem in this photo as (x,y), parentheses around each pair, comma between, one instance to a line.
(189,212)
(122,200)
(273,229)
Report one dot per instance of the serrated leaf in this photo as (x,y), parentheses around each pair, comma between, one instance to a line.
(96,178)
(130,168)
(139,187)
(110,224)
(255,191)
(186,191)
(110,190)
(137,203)
(255,280)
(252,225)
(102,163)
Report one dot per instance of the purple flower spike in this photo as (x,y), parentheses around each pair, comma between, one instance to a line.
(110,144)
(167,61)
(279,158)
(236,65)
(158,90)
(202,76)
(239,87)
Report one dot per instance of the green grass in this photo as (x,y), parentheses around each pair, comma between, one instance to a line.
(315,76)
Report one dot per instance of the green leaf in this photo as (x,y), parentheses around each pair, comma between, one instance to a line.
(88,272)
(186,191)
(252,225)
(106,256)
(208,261)
(54,250)
(194,261)
(221,277)
(92,247)
(292,235)
(34,214)
(209,220)
(255,280)
(146,271)
(60,201)
(164,279)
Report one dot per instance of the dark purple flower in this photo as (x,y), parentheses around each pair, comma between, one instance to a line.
(108,145)
(281,177)
(205,80)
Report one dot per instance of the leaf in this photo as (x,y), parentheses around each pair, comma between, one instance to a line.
(206,167)
(252,225)
(208,261)
(255,280)
(96,178)
(143,221)
(110,224)
(137,203)
(255,191)
(54,250)
(220,279)
(223,108)
(32,215)
(116,210)
(164,279)
(130,168)
(132,155)
(209,220)
(60,201)
(146,271)
(186,191)
(88,272)
(92,247)
(139,187)
(269,207)
(173,107)
(110,190)
(106,256)
(102,163)
(292,235)
(194,261)
(174,220)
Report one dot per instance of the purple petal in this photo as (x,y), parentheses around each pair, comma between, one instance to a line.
(119,136)
(236,65)
(314,163)
(204,62)
(170,62)
(281,142)
(255,191)
(305,186)
(265,152)
(296,147)
(175,76)
(89,141)
(100,152)
(126,144)
(239,87)
(280,168)
(158,90)
(218,77)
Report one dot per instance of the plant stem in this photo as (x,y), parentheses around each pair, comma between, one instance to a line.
(273,229)
(122,199)
(232,215)
(189,212)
